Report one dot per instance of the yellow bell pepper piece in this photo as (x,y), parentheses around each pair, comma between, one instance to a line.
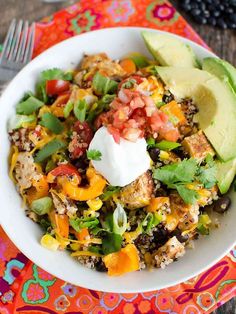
(95,188)
(124,261)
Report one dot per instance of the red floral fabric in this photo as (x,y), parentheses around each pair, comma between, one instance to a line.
(24,287)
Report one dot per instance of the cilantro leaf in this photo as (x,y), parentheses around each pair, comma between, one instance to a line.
(103,85)
(207,177)
(94,154)
(207,174)
(56,74)
(84,222)
(188,196)
(183,171)
(111,242)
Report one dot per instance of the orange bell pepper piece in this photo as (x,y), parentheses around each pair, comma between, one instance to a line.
(58,106)
(95,188)
(60,222)
(128,66)
(124,261)
(173,110)
(157,202)
(82,234)
(39,189)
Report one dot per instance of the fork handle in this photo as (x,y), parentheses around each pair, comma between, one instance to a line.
(6,74)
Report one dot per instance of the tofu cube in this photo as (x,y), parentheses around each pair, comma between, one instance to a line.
(197,146)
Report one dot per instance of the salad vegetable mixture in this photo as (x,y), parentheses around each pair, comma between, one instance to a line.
(165,108)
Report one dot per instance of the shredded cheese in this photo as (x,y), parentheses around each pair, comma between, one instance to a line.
(13,162)
(85,253)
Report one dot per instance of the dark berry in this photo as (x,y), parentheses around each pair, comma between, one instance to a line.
(232,18)
(200,19)
(212,21)
(206,13)
(216,13)
(187,7)
(195,12)
(229,10)
(221,23)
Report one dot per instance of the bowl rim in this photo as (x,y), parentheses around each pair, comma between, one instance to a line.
(39,262)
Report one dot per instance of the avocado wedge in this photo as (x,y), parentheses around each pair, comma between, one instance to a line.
(216,104)
(221,69)
(225,174)
(169,51)
(227,74)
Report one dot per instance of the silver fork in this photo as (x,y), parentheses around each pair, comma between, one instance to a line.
(17,49)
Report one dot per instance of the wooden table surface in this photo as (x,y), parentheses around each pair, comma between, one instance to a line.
(223,43)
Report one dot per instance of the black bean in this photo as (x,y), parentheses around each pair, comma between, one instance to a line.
(216,13)
(154,153)
(178,234)
(222,204)
(229,10)
(168,98)
(206,13)
(100,266)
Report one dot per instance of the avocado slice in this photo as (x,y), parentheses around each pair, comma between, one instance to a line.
(169,51)
(226,73)
(216,104)
(221,69)
(225,174)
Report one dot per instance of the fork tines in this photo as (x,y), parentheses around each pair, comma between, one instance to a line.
(18,45)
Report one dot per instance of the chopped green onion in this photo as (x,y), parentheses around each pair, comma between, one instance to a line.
(84,222)
(18,121)
(109,192)
(51,122)
(50,165)
(67,109)
(167,145)
(151,142)
(119,220)
(80,108)
(103,85)
(49,149)
(42,205)
(29,106)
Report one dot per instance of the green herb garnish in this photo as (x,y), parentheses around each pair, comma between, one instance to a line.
(94,154)
(51,122)
(29,106)
(103,85)
(84,222)
(80,108)
(179,175)
(109,192)
(111,242)
(48,149)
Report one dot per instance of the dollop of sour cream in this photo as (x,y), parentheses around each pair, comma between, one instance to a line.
(121,163)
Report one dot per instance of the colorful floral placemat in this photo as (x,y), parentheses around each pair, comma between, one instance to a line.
(24,287)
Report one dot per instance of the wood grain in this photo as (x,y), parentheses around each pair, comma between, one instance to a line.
(223,43)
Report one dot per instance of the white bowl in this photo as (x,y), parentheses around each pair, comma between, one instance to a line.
(116,42)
